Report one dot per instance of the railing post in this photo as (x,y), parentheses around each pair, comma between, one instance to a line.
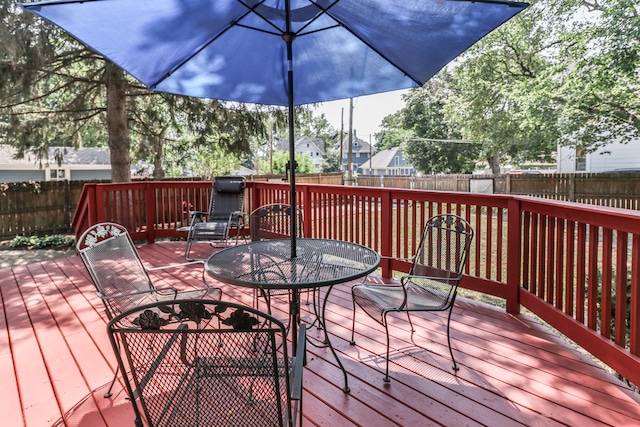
(100,204)
(150,210)
(514,264)
(306,210)
(386,242)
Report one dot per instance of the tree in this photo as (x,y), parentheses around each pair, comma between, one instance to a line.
(54,91)
(428,140)
(563,71)
(331,161)
(599,66)
(280,160)
(497,92)
(393,132)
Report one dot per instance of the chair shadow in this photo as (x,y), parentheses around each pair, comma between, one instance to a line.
(94,409)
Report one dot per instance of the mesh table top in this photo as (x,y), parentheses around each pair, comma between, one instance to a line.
(267,264)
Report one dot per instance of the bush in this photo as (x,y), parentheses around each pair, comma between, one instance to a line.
(35,242)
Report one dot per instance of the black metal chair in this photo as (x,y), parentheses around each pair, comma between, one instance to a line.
(274,221)
(208,363)
(432,283)
(119,276)
(224,215)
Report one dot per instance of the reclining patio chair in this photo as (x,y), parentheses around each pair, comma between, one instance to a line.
(224,215)
(432,282)
(119,276)
(209,363)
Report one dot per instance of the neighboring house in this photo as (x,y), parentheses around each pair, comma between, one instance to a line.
(360,152)
(84,164)
(305,145)
(388,162)
(605,159)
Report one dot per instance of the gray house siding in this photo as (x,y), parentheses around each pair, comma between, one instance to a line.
(89,175)
(22,175)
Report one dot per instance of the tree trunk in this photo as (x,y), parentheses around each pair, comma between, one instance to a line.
(494,163)
(158,172)
(117,126)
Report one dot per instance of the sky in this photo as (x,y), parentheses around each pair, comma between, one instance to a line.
(368,112)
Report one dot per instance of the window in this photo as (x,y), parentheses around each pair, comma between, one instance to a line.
(58,174)
(581,160)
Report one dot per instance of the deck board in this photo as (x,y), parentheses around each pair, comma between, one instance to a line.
(56,361)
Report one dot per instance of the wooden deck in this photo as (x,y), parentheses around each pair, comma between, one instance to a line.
(56,362)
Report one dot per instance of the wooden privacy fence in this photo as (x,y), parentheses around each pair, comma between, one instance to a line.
(45,208)
(37,208)
(40,208)
(619,190)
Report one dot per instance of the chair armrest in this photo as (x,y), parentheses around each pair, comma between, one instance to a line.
(408,277)
(298,362)
(238,217)
(195,215)
(182,264)
(149,291)
(398,258)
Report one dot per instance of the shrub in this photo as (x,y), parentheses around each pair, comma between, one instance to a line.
(36,242)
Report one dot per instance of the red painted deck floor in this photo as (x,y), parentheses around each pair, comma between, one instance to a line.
(56,361)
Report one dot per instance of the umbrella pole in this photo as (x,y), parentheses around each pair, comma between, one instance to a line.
(288,37)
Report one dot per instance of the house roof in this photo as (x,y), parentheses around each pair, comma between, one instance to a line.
(70,156)
(358,146)
(381,160)
(300,144)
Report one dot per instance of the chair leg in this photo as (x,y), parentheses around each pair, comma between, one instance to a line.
(386,372)
(410,322)
(353,323)
(455,365)
(108,393)
(187,250)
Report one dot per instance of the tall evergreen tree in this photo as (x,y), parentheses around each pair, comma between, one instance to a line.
(54,91)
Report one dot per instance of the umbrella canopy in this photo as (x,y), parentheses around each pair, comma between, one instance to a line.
(278,52)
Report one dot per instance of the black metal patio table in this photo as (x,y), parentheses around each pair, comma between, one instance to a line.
(318,263)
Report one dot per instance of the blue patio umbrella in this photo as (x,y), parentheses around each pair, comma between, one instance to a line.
(278,52)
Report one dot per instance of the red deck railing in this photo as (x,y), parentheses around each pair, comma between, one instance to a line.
(565,262)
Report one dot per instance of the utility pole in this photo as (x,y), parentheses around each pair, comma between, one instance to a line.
(270,148)
(370,154)
(341,136)
(350,150)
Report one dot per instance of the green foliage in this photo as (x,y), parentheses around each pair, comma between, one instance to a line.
(280,160)
(442,156)
(331,161)
(393,132)
(35,242)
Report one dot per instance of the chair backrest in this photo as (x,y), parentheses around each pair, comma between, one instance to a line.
(205,363)
(227,196)
(443,248)
(273,221)
(115,267)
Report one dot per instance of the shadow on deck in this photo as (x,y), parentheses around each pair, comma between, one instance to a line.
(56,361)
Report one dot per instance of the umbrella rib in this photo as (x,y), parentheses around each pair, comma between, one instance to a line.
(252,9)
